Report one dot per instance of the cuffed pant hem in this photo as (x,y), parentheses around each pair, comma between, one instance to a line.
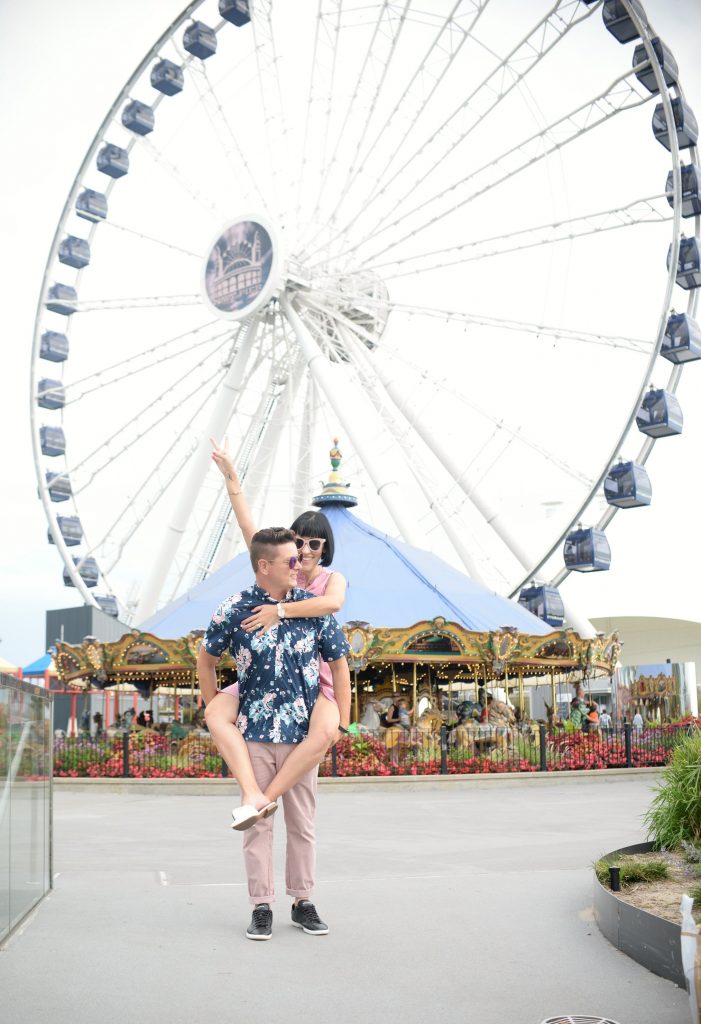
(300,894)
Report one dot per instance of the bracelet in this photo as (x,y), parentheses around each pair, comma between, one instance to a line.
(344,731)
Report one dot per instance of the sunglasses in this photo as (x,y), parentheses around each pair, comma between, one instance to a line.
(313,545)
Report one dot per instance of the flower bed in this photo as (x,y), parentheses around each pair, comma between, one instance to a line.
(152,755)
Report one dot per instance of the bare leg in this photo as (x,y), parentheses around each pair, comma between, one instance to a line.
(221,714)
(323,727)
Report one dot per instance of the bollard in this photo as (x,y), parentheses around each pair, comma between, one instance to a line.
(444,751)
(334,763)
(543,752)
(125,754)
(224,769)
(615,879)
(629,745)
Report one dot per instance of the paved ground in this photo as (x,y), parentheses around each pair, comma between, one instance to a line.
(463,903)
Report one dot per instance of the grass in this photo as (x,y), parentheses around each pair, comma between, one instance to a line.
(633,869)
(674,817)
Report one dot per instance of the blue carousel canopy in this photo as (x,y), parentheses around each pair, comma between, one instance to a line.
(389,584)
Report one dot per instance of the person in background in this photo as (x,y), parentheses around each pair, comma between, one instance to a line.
(577,712)
(404,713)
(605,721)
(638,722)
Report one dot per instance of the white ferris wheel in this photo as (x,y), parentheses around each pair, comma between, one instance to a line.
(458,234)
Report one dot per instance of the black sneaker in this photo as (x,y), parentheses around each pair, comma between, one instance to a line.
(261,926)
(304,916)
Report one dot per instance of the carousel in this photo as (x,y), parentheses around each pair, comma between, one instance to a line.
(428,634)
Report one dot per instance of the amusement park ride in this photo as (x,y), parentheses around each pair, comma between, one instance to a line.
(415,228)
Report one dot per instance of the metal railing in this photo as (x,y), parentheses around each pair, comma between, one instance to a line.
(145,753)
(25,799)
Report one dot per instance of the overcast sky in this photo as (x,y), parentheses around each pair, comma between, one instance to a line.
(61,66)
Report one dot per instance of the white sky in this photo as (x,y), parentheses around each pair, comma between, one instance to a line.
(61,66)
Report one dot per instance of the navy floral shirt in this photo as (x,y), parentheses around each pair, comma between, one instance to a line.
(278,672)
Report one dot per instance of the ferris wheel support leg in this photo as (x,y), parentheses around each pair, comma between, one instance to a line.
(258,471)
(225,401)
(302,486)
(346,411)
(490,515)
(364,364)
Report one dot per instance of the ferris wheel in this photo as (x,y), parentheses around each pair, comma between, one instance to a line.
(460,235)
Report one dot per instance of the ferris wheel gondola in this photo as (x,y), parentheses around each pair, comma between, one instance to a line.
(294,222)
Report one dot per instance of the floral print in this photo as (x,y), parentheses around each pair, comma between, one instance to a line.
(278,672)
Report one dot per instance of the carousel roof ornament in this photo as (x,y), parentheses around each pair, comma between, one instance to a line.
(335,490)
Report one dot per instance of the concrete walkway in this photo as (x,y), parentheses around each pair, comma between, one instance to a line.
(461,903)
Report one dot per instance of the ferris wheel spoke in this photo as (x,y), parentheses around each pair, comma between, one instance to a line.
(176,174)
(224,134)
(560,333)
(620,96)
(385,34)
(499,422)
(137,302)
(112,456)
(100,380)
(509,73)
(326,37)
(432,66)
(137,509)
(150,238)
(271,95)
(640,211)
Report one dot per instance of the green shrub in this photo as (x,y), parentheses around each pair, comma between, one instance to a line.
(632,869)
(674,817)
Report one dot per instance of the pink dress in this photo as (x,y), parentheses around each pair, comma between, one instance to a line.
(317,587)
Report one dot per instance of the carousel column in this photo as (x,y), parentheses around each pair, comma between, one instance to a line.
(691,698)
(413,692)
(553,694)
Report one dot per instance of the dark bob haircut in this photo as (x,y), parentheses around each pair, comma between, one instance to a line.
(315,524)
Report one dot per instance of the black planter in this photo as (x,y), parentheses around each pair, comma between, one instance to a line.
(646,938)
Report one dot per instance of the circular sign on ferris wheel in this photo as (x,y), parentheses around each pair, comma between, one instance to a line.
(242,269)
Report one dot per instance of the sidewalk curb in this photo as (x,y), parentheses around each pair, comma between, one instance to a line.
(218,786)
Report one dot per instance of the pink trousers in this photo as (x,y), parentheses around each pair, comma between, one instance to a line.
(299,806)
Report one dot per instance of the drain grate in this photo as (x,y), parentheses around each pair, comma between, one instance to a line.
(578,1018)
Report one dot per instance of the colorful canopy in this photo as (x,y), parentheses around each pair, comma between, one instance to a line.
(40,666)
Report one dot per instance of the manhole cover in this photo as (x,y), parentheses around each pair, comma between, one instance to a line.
(578,1018)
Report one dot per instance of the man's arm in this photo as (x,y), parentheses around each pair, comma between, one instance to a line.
(206,674)
(340,674)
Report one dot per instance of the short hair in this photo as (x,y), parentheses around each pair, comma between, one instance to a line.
(315,524)
(264,542)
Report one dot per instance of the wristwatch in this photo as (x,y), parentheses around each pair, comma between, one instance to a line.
(281,611)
